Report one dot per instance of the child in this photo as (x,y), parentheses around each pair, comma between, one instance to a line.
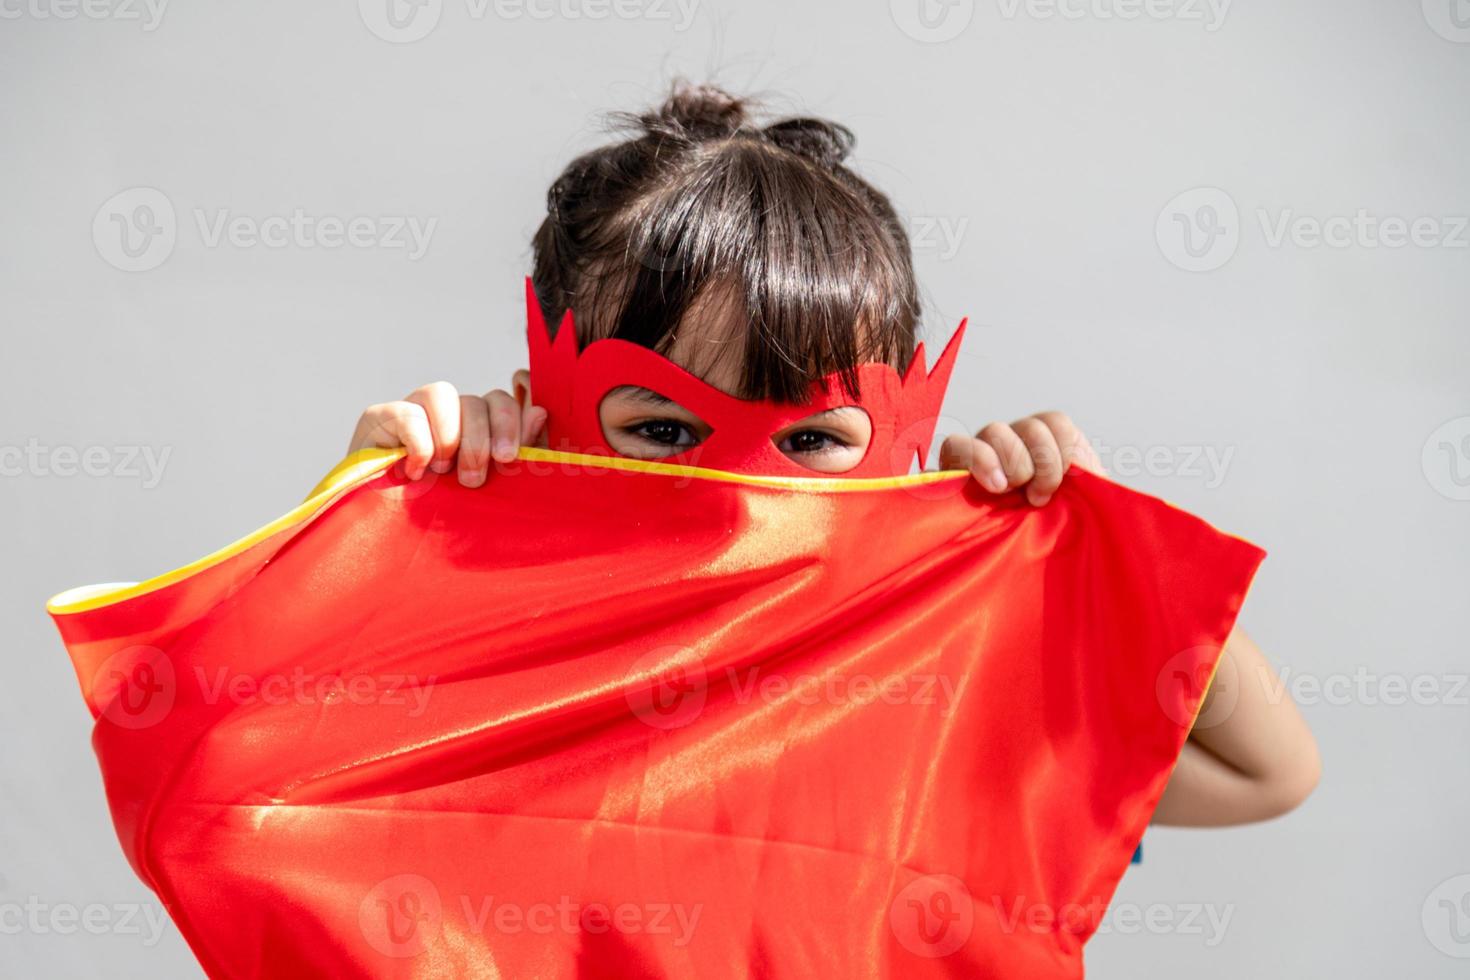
(753,258)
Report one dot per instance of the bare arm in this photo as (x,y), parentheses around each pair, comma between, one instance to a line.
(1250,755)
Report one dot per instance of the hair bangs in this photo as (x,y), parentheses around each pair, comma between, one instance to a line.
(761,238)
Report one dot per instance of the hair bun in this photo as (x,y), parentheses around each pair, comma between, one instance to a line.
(706,112)
(827,143)
(698,111)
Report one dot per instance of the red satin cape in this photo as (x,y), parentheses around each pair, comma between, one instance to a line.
(638,720)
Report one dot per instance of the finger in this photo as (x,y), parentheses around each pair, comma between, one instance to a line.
(395,424)
(533,417)
(533,424)
(474,440)
(1015,461)
(961,452)
(368,425)
(441,404)
(1046,459)
(1074,446)
(505,426)
(520,386)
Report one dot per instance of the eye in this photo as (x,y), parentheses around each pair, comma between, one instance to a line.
(663,432)
(642,424)
(831,441)
(812,441)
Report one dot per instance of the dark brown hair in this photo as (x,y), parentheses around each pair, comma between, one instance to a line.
(699,205)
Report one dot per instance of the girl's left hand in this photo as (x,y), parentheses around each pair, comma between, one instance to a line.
(1031,453)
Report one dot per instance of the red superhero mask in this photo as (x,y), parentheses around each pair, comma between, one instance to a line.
(571,385)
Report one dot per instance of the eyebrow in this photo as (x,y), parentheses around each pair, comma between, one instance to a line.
(650,397)
(646,395)
(838,410)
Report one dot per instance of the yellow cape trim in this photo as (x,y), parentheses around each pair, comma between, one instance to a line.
(811,484)
(355,468)
(367,463)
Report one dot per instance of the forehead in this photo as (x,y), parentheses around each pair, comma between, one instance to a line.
(710,340)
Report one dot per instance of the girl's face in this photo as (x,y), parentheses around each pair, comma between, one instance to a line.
(644,424)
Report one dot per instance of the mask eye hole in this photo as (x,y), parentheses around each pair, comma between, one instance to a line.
(640,423)
(834,441)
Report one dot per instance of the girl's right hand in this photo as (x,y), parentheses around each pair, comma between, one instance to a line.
(443,430)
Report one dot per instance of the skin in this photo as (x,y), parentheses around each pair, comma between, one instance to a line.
(1249,756)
